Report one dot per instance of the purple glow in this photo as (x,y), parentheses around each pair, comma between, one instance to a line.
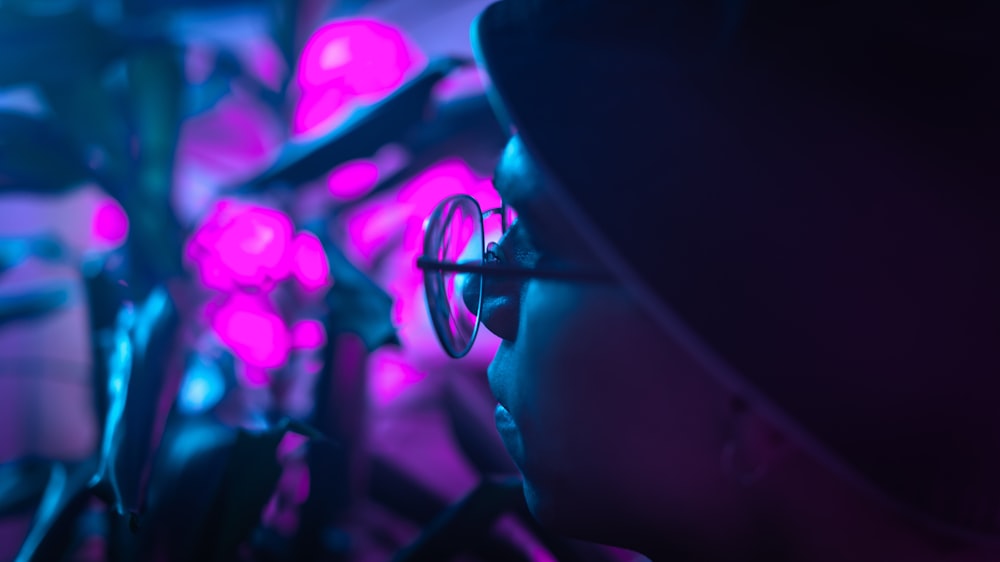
(308,334)
(309,263)
(199,58)
(299,474)
(264,60)
(241,245)
(252,376)
(391,374)
(249,326)
(463,82)
(353,179)
(290,443)
(371,230)
(110,225)
(225,146)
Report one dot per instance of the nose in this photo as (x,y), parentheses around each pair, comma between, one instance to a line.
(501,305)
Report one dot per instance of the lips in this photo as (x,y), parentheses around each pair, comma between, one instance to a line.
(499,374)
(505,421)
(501,377)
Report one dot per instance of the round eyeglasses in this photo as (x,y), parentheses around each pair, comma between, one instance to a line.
(460,248)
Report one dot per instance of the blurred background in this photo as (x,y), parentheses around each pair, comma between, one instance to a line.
(214,342)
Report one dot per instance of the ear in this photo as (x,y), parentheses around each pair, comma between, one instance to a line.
(753,446)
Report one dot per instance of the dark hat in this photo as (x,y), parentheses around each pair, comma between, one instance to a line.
(812,189)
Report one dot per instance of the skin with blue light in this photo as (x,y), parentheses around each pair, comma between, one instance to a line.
(622,439)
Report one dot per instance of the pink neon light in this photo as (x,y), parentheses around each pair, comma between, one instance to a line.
(353,179)
(249,326)
(308,334)
(361,57)
(241,245)
(347,61)
(309,262)
(110,225)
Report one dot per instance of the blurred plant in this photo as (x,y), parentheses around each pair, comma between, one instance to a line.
(279,293)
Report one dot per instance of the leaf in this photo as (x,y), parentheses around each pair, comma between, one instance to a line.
(250,478)
(141,389)
(22,484)
(357,305)
(65,497)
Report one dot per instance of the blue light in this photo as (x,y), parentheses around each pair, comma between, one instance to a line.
(202,388)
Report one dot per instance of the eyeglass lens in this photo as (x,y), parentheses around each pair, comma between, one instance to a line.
(455,235)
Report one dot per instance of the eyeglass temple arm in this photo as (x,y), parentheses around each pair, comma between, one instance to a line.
(427,264)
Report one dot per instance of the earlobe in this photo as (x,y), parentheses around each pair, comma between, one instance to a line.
(753,447)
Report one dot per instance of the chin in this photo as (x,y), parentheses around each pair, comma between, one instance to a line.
(572,517)
(554,512)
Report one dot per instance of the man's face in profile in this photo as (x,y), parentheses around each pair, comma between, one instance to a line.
(603,414)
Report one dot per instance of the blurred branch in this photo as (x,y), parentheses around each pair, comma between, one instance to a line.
(33,304)
(155,244)
(357,304)
(64,499)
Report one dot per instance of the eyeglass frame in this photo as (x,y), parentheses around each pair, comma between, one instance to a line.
(490,266)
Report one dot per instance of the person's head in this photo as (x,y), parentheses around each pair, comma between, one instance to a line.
(777,228)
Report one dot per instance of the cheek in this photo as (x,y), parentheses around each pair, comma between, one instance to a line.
(591,385)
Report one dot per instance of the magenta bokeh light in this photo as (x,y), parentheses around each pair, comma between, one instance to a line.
(309,263)
(110,225)
(353,179)
(242,245)
(358,56)
(249,325)
(350,60)
(244,251)
(308,334)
